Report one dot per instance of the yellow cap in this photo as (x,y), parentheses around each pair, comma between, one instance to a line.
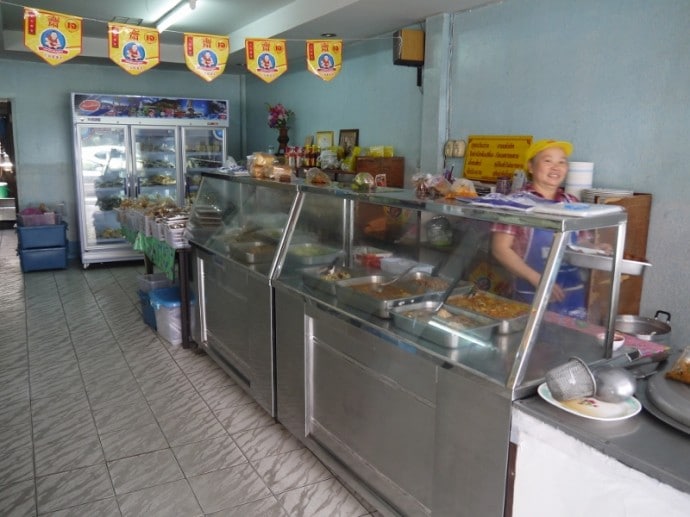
(540,145)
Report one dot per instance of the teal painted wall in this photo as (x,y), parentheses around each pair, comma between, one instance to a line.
(371,94)
(40,97)
(612,77)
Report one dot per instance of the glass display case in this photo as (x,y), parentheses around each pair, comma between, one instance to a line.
(423,273)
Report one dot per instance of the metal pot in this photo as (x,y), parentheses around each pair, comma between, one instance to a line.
(649,329)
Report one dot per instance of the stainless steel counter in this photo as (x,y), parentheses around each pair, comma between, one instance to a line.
(642,442)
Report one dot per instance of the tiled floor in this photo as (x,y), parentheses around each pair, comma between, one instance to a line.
(101,417)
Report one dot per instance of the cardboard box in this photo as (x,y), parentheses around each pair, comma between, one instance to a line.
(408,47)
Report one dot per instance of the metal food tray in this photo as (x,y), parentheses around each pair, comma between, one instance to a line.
(505,326)
(246,252)
(440,333)
(312,277)
(604,262)
(379,307)
(316,254)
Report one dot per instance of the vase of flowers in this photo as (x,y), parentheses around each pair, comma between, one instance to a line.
(279,118)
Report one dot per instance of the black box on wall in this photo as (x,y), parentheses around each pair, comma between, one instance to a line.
(408,47)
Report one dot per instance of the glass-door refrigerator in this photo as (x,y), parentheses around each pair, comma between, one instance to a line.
(129,146)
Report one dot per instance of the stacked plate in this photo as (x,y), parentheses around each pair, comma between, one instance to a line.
(600,195)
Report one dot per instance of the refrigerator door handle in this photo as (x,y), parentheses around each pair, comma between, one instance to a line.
(137,188)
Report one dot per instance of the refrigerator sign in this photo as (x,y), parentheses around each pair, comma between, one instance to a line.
(136,109)
(134,49)
(53,36)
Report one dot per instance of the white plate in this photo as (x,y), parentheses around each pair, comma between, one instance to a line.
(592,408)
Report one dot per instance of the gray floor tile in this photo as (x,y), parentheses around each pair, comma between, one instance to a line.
(17,500)
(115,417)
(72,425)
(15,436)
(268,507)
(290,470)
(74,487)
(103,508)
(225,396)
(132,441)
(16,465)
(228,487)
(328,497)
(144,470)
(193,426)
(68,454)
(241,418)
(12,413)
(208,455)
(169,500)
(266,441)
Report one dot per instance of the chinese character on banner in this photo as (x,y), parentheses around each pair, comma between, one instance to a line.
(324,57)
(53,36)
(266,58)
(206,55)
(135,49)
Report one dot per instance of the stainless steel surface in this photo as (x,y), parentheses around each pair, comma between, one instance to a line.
(310,254)
(605,263)
(471,447)
(649,329)
(382,424)
(415,319)
(397,277)
(613,384)
(669,396)
(256,252)
(378,305)
(314,277)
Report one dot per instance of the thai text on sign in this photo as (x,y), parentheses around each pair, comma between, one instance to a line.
(266,58)
(134,49)
(206,55)
(488,157)
(55,37)
(324,58)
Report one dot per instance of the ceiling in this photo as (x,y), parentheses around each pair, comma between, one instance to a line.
(293,20)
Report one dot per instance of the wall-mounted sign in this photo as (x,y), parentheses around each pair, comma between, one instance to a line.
(266,58)
(135,49)
(206,55)
(53,36)
(324,58)
(488,157)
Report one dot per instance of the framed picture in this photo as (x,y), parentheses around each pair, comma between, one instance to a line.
(324,139)
(348,139)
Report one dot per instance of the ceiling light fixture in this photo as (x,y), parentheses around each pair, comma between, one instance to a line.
(328,35)
(175,14)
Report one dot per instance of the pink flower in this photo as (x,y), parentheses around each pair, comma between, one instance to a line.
(278,115)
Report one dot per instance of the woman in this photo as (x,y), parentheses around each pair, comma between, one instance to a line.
(523,251)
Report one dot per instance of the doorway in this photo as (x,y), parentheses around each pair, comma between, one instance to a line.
(8,204)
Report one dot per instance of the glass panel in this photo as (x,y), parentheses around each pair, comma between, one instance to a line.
(203,152)
(243,222)
(155,162)
(103,166)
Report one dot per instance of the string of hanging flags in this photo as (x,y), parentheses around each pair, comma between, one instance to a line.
(57,38)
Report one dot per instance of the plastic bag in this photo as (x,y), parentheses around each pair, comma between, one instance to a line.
(315,176)
(462,187)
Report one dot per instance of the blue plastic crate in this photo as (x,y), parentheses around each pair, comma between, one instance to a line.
(45,258)
(46,236)
(147,310)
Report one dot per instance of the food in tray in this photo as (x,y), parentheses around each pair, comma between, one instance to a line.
(110,233)
(456,321)
(261,249)
(489,305)
(680,371)
(336,275)
(424,283)
(158,179)
(108,203)
(386,292)
(309,250)
(101,183)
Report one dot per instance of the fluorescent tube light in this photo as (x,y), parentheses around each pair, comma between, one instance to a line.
(175,14)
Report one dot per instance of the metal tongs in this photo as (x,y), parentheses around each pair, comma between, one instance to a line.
(330,268)
(449,290)
(380,286)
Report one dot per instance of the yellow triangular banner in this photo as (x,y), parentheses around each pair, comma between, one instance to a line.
(206,55)
(134,49)
(266,58)
(53,36)
(324,57)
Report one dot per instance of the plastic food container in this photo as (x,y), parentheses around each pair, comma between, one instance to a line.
(167,306)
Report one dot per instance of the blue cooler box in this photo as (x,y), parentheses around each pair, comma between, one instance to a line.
(167,305)
(147,311)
